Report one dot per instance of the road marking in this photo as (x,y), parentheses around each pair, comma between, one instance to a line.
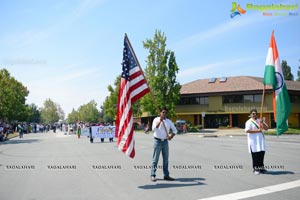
(256,192)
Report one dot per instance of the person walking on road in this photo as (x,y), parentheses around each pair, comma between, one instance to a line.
(79,131)
(254,128)
(161,126)
(20,130)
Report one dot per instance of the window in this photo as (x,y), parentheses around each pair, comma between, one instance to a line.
(184,100)
(233,99)
(204,100)
(257,98)
(223,79)
(194,100)
(294,99)
(248,98)
(212,80)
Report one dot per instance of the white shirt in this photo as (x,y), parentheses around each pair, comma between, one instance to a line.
(160,132)
(256,141)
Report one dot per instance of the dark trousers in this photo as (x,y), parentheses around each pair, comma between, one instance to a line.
(258,160)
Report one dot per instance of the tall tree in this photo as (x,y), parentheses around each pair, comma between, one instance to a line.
(12,97)
(89,112)
(161,74)
(73,117)
(286,70)
(298,79)
(110,104)
(51,112)
(32,113)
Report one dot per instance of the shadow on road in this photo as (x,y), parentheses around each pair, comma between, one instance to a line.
(183,182)
(279,172)
(20,141)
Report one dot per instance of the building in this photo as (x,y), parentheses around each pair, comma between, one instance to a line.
(226,101)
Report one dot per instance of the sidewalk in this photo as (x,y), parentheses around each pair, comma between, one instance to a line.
(220,132)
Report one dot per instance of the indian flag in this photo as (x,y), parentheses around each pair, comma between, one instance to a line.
(274,76)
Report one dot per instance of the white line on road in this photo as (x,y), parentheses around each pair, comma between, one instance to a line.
(256,192)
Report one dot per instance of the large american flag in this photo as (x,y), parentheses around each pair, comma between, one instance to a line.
(133,86)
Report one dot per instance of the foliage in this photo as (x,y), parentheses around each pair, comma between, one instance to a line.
(286,70)
(32,113)
(110,104)
(73,117)
(12,97)
(51,112)
(89,112)
(161,73)
(298,79)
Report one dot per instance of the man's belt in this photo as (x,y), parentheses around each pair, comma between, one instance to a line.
(159,139)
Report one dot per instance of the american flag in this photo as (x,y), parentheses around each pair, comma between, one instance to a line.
(133,86)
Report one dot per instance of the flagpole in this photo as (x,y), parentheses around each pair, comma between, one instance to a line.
(262,102)
(153,97)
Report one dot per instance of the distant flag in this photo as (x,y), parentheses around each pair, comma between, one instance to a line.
(133,86)
(274,76)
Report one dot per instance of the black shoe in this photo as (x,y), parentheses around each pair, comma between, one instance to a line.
(153,179)
(168,178)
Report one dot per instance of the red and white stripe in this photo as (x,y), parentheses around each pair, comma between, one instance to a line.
(129,92)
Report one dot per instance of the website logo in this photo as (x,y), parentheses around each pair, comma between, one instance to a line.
(271,9)
(236,10)
(274,9)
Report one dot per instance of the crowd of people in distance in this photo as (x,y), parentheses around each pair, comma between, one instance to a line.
(67,129)
(5,130)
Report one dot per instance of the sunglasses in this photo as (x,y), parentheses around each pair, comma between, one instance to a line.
(253,113)
(164,112)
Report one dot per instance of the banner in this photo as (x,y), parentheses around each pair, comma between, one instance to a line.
(103,132)
(85,132)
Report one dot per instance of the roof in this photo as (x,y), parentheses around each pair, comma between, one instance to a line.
(232,84)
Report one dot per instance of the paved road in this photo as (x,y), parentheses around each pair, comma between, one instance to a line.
(53,166)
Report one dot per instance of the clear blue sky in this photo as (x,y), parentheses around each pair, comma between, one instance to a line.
(71,50)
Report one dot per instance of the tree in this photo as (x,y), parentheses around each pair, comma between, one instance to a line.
(298,79)
(32,113)
(109,107)
(12,97)
(89,112)
(73,117)
(161,73)
(51,112)
(286,70)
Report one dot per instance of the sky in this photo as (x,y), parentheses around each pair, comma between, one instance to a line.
(71,50)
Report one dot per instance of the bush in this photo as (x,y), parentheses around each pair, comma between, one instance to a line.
(194,129)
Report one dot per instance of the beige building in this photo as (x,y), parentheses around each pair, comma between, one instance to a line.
(226,102)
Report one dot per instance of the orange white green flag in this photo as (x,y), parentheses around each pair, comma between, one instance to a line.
(274,76)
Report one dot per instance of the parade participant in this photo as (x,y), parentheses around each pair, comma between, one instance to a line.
(161,126)
(254,128)
(20,130)
(147,128)
(78,131)
(91,135)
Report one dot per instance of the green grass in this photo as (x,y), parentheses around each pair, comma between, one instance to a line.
(289,131)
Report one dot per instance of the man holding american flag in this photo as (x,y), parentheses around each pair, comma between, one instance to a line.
(161,126)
